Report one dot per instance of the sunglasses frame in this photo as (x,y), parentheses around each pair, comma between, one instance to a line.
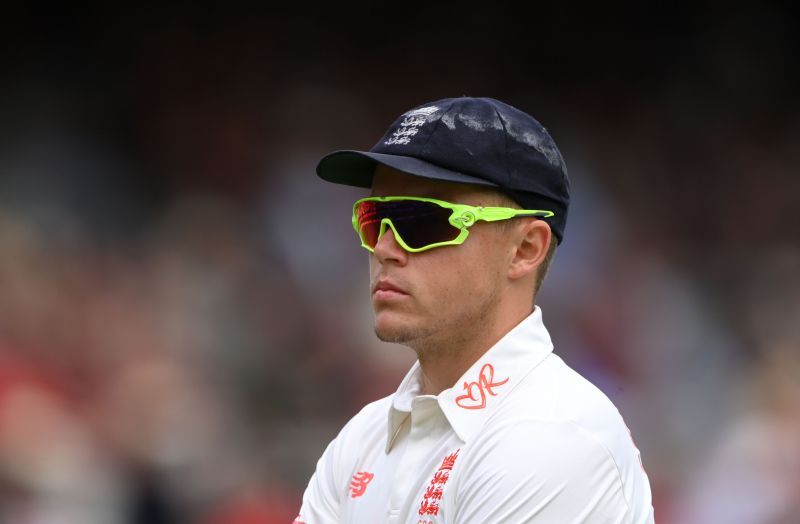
(462,217)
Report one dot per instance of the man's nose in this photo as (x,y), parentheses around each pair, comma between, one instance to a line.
(387,249)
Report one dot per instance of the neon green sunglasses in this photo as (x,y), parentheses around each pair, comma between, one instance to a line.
(420,224)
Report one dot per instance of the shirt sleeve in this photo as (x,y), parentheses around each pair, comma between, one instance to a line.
(322,500)
(531,471)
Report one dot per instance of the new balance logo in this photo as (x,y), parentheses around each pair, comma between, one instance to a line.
(359,483)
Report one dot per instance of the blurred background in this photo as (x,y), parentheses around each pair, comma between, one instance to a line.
(184,311)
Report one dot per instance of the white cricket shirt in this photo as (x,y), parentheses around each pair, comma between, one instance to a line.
(521,437)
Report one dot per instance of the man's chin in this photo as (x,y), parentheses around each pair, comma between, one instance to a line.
(391,327)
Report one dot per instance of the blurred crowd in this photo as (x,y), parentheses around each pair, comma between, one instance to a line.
(184,312)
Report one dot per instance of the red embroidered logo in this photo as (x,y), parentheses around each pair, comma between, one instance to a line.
(433,494)
(475,392)
(298,520)
(359,483)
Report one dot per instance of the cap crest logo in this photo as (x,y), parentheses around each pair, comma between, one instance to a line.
(410,125)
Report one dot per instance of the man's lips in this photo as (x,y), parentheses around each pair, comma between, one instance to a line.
(384,289)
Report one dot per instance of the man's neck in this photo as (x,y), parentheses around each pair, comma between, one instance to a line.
(443,362)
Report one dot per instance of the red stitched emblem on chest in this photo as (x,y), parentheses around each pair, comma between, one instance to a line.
(475,392)
(433,494)
(359,483)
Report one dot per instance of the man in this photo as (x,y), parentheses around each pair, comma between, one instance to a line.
(469,199)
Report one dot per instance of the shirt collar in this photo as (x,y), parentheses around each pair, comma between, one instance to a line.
(485,385)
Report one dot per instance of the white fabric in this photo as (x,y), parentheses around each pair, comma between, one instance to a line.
(528,439)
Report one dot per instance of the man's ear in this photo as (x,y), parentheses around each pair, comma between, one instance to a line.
(531,244)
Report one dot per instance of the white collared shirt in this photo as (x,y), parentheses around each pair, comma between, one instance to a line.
(521,437)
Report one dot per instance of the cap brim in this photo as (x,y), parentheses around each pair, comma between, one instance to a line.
(355,168)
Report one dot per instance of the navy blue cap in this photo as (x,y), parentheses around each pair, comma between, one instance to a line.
(470,140)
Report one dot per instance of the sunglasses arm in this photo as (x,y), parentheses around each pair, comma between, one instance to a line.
(492,214)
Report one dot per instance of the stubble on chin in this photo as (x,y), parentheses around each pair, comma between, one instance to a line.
(397,328)
(399,334)
(422,339)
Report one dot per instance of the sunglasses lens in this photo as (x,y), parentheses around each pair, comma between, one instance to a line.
(419,223)
(369,222)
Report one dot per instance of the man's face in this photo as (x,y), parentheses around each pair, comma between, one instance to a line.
(445,293)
